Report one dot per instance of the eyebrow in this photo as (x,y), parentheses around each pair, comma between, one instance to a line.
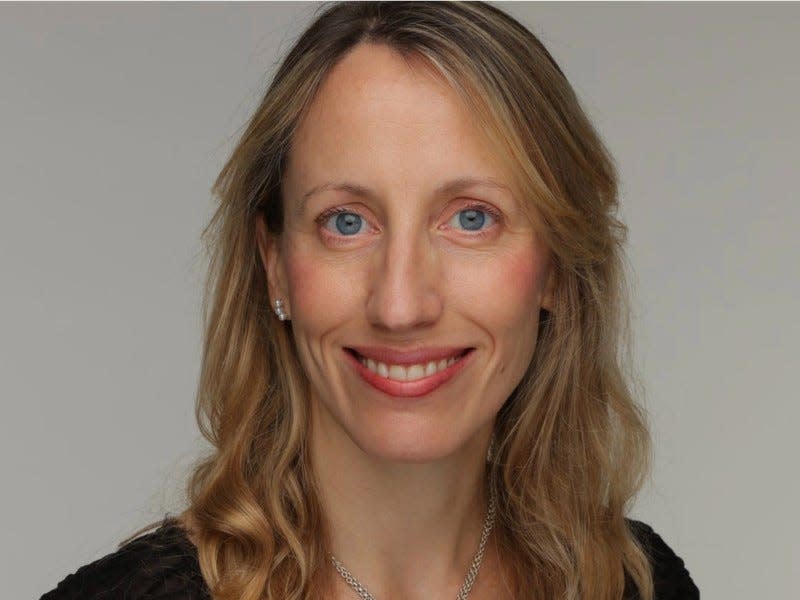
(453,186)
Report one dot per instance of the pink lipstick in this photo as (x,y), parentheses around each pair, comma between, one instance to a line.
(407,373)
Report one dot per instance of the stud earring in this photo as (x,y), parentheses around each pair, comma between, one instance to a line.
(282,316)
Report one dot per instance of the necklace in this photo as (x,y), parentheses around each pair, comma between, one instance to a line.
(471,574)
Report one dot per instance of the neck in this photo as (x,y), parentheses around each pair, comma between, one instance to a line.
(403,529)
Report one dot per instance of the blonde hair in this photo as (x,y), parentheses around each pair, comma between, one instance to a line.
(572,445)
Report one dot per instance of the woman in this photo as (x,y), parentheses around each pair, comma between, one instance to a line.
(411,375)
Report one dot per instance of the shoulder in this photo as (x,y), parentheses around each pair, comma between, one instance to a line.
(671,579)
(160,565)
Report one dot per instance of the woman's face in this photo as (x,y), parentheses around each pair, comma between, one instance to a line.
(412,284)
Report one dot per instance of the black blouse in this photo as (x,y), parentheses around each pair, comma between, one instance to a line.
(163,565)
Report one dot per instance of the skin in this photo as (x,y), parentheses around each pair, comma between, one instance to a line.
(401,478)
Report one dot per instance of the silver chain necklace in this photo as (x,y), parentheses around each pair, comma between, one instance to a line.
(471,574)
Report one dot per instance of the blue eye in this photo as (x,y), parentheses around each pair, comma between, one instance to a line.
(472,219)
(346,223)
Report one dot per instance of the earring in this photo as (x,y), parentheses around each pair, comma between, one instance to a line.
(282,316)
(491,451)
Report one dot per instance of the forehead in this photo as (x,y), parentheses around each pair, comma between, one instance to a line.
(379,115)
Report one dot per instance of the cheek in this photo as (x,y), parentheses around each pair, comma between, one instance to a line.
(321,291)
(502,296)
(320,301)
(503,291)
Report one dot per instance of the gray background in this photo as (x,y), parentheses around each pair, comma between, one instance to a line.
(114,121)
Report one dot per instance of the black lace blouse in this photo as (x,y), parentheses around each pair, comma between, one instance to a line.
(162,565)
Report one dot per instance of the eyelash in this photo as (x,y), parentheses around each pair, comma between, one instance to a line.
(494,213)
(327,214)
(489,210)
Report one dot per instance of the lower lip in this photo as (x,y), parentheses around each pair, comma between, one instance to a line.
(409,389)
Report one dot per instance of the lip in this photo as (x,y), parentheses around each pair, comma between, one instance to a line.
(391,356)
(410,389)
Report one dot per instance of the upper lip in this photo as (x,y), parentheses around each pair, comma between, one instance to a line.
(393,356)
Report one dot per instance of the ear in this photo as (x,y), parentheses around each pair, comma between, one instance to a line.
(548,295)
(271,259)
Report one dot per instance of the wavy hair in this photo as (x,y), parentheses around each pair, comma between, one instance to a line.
(572,448)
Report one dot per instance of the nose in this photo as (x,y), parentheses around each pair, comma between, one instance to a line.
(405,286)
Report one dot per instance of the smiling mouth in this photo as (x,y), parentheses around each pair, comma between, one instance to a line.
(408,372)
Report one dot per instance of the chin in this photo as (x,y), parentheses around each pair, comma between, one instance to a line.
(412,447)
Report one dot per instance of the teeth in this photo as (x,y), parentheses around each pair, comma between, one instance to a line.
(397,372)
(415,372)
(410,373)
